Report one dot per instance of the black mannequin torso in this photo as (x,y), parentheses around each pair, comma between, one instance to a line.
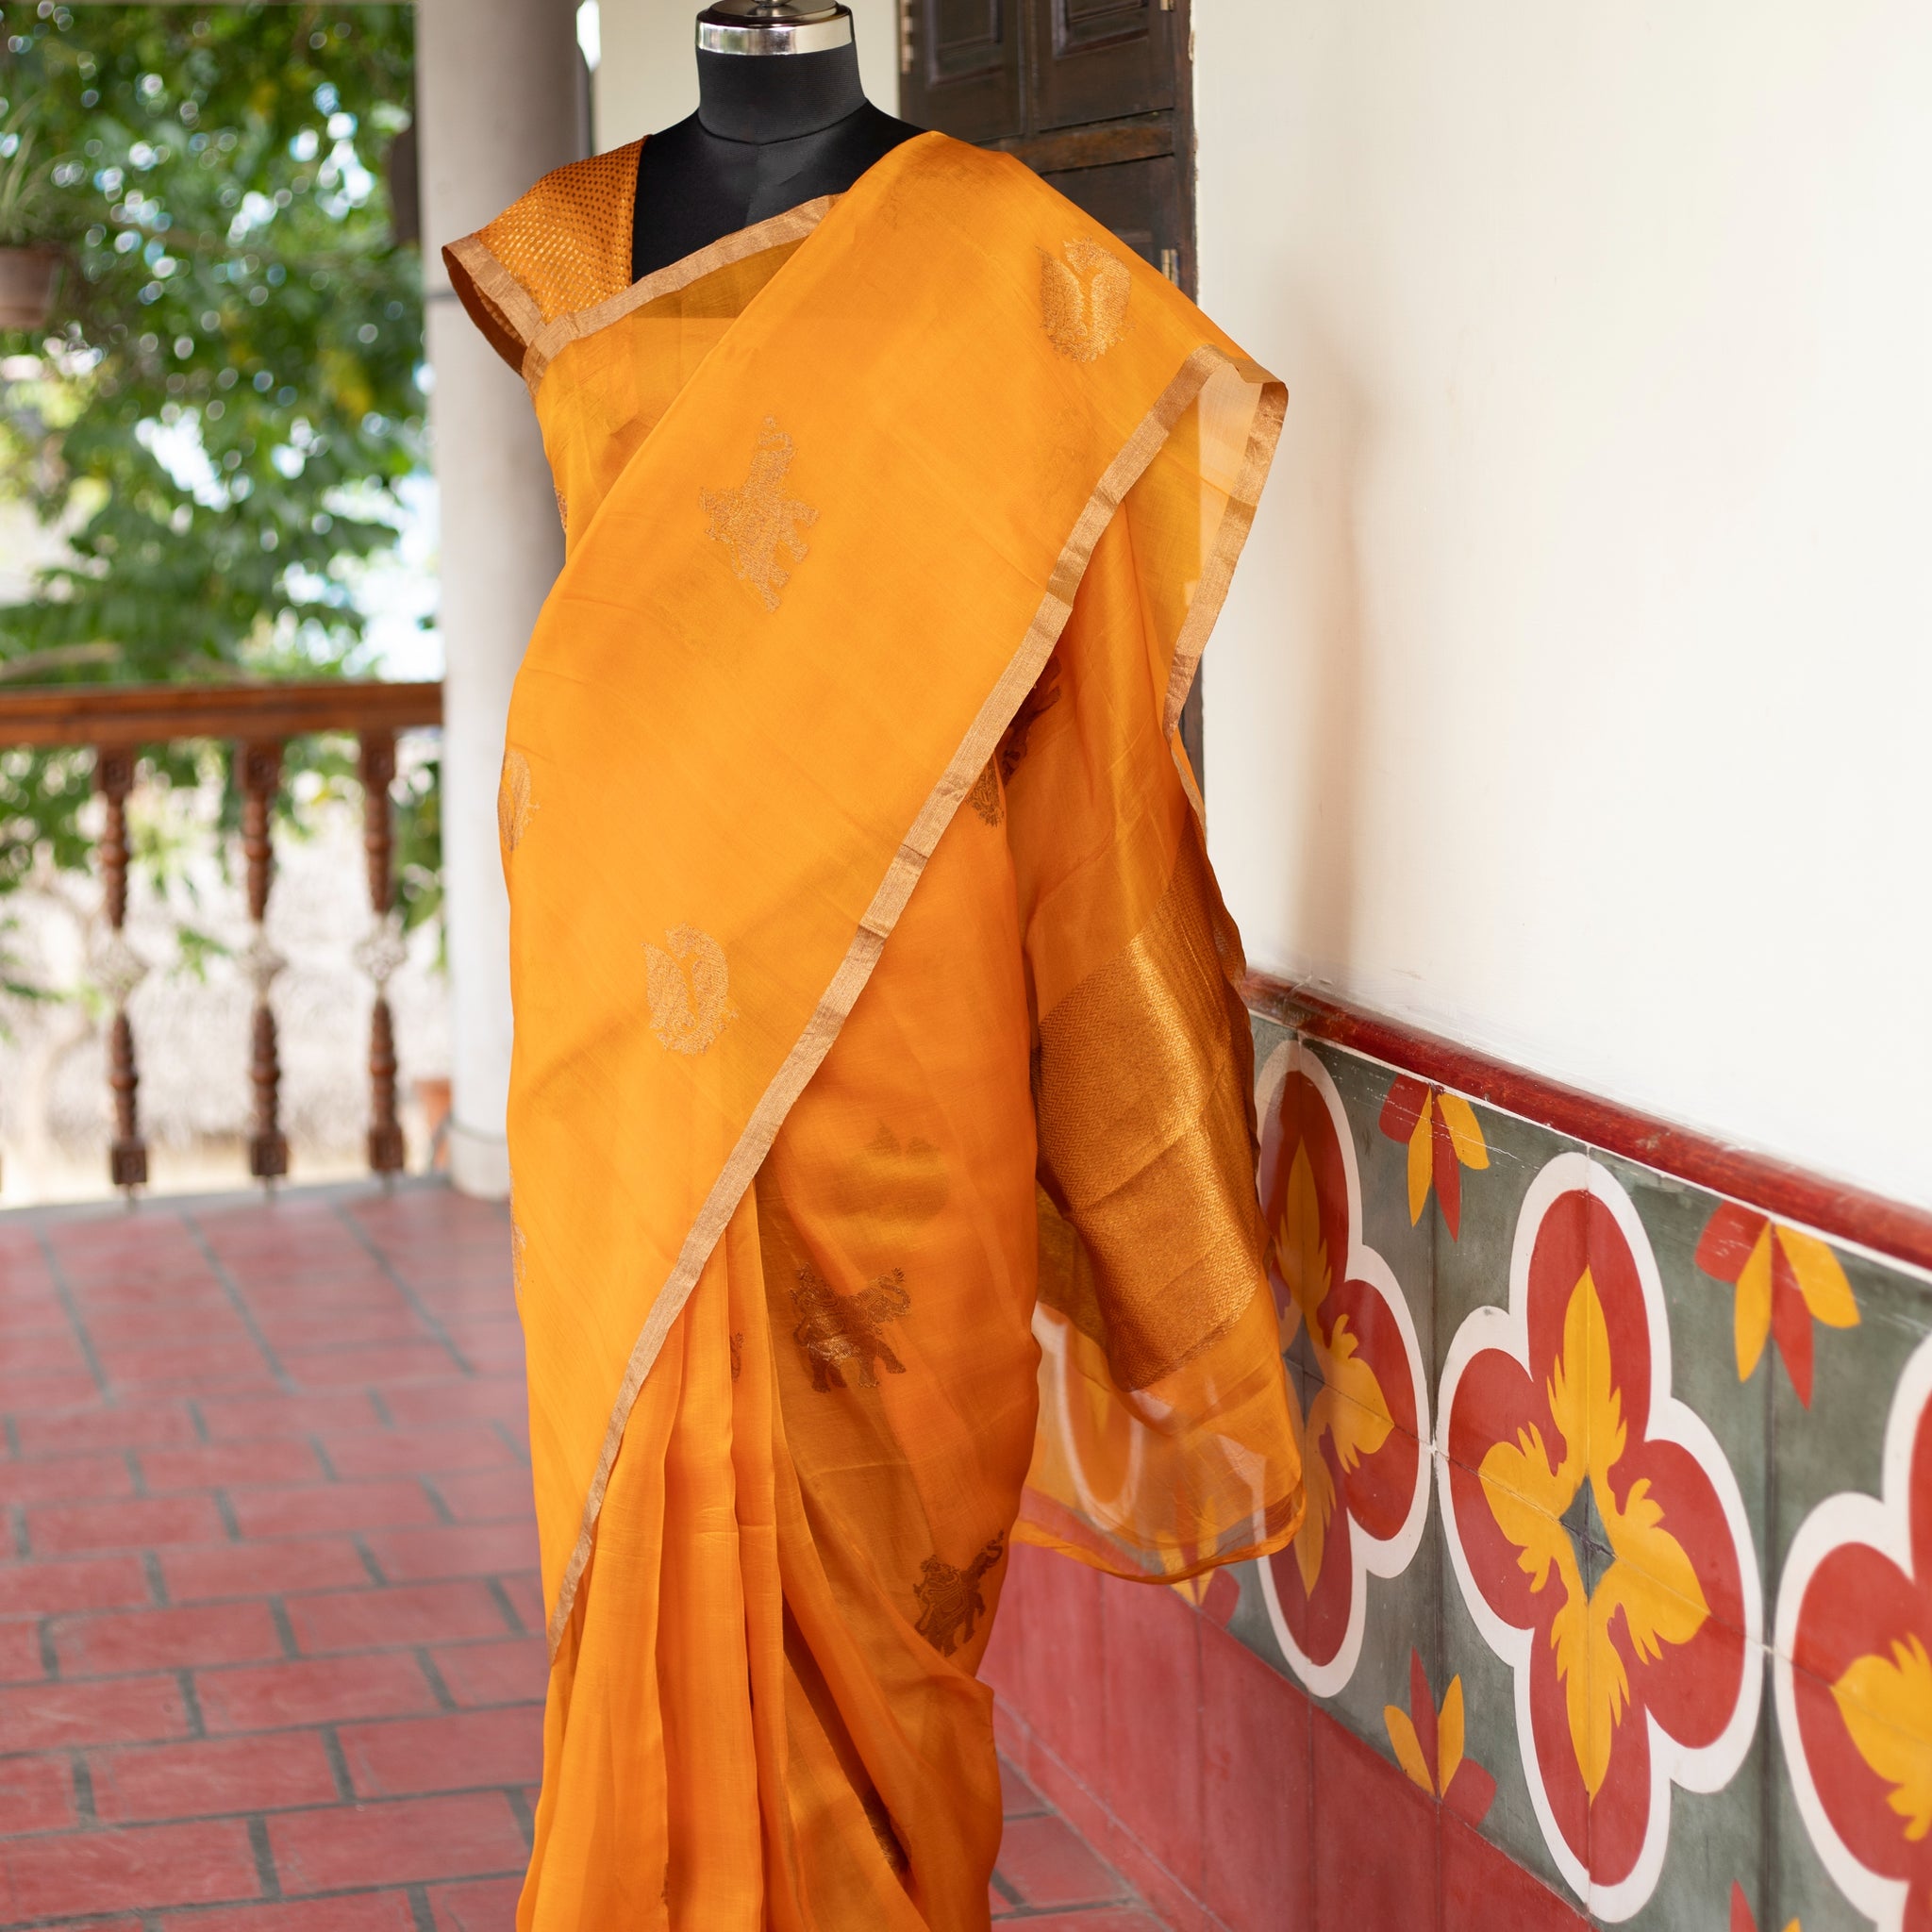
(772,130)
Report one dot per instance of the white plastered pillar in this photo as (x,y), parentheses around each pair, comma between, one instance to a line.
(498,88)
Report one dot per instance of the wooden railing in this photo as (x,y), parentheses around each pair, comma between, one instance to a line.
(116,721)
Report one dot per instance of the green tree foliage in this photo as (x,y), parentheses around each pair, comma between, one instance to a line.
(219,413)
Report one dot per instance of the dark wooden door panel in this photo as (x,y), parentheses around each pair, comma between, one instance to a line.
(1141,201)
(1099,59)
(961,67)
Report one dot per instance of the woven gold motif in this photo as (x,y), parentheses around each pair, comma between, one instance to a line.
(689,989)
(985,796)
(949,1600)
(562,508)
(1045,695)
(1083,300)
(567,242)
(754,523)
(841,1332)
(514,805)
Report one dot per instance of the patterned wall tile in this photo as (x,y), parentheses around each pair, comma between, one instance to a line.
(1572,1651)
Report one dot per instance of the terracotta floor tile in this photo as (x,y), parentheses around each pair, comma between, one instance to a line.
(480,1673)
(119,1710)
(456,1549)
(260,1569)
(361,1912)
(1044,1863)
(312,1690)
(397,1614)
(78,1583)
(36,1794)
(129,1870)
(66,1478)
(316,1509)
(208,1776)
(59,1529)
(113,1643)
(210,1465)
(417,1452)
(20,1658)
(398,1842)
(461,1751)
(190,1523)
(487,1905)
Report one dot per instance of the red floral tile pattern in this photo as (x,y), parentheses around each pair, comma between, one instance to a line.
(1599,1538)
(1853,1672)
(1442,1135)
(1367,1403)
(1783,1279)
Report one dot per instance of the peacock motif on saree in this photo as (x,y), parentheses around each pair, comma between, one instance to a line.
(757,520)
(950,1602)
(840,1333)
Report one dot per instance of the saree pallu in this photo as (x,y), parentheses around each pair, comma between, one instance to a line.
(881,1120)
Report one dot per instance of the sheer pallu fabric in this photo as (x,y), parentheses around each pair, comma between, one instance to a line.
(880,1121)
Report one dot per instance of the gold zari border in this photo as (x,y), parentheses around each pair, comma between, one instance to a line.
(994,715)
(549,339)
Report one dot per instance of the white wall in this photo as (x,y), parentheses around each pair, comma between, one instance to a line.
(1574,698)
(648,78)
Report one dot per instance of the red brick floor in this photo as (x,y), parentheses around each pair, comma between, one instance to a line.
(270,1649)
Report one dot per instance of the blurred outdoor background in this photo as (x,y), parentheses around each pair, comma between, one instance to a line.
(213,467)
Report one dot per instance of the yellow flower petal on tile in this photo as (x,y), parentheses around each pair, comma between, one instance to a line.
(1409,1748)
(1526,1497)
(1898,1744)
(1584,1402)
(1821,1279)
(1420,1154)
(1350,1406)
(1465,1133)
(1653,1579)
(1311,1540)
(1449,1734)
(1751,1311)
(1301,1255)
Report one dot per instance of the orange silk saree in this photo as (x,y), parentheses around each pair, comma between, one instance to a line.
(880,1121)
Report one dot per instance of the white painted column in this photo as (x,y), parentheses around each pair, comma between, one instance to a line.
(498,92)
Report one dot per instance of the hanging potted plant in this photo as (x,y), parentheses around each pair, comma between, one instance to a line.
(29,262)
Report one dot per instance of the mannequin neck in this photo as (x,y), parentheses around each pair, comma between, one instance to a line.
(773,97)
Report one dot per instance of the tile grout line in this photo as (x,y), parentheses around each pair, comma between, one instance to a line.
(58,1275)
(232,1288)
(361,1235)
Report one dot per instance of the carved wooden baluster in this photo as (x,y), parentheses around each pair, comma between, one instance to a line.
(381,952)
(261,775)
(119,969)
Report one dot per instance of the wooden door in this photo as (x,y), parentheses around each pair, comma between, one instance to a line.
(1095,96)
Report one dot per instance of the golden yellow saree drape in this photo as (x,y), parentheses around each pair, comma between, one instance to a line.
(880,1118)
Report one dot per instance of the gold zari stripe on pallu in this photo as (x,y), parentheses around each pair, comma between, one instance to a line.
(1142,1123)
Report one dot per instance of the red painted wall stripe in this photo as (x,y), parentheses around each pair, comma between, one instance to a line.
(1790,1194)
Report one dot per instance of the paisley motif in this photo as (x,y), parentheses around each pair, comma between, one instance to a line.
(689,989)
(1083,300)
